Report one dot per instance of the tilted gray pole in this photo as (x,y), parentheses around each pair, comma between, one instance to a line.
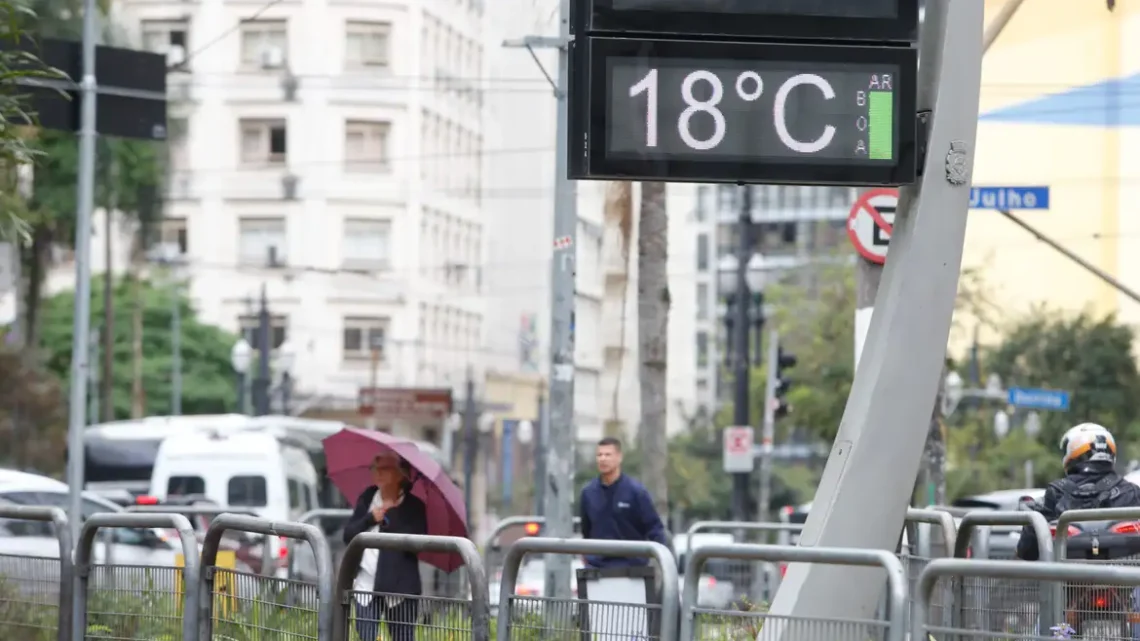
(81,323)
(862,503)
(563,437)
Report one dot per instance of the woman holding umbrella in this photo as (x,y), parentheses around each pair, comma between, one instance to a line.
(388,506)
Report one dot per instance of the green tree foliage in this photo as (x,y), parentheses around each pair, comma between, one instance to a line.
(207,376)
(1091,357)
(33,415)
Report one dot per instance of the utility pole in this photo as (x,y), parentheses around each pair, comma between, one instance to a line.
(768,431)
(375,346)
(81,321)
(563,438)
(469,445)
(107,384)
(264,347)
(542,435)
(93,381)
(742,363)
(176,349)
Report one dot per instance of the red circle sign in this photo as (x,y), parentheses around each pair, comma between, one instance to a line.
(867,225)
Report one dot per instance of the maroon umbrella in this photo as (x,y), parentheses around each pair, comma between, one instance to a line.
(349,454)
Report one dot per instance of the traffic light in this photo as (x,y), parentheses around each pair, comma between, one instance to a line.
(784,360)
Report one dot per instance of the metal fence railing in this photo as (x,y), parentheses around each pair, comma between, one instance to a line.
(36,589)
(921,550)
(410,617)
(757,623)
(554,619)
(1096,578)
(999,602)
(259,556)
(736,580)
(232,602)
(297,563)
(149,597)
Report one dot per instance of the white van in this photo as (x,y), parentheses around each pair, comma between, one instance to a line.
(243,471)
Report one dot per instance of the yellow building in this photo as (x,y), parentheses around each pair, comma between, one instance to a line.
(1061,107)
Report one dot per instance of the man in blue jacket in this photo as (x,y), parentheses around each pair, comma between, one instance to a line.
(617,507)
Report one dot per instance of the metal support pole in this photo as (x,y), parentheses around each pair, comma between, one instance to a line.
(264,347)
(176,352)
(742,361)
(768,432)
(859,502)
(563,440)
(81,322)
(93,379)
(242,400)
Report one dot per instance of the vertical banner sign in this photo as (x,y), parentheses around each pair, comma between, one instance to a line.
(510,428)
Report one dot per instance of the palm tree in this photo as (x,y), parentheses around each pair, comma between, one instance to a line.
(653,338)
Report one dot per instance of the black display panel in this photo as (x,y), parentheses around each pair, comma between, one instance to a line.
(744,112)
(863,20)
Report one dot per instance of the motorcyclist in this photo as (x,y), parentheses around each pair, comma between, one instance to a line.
(1090,481)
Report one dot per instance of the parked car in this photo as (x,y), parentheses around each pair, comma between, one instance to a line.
(130,546)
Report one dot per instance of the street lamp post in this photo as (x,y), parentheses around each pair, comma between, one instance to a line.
(240,357)
(742,282)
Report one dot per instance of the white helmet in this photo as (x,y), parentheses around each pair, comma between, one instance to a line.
(1087,442)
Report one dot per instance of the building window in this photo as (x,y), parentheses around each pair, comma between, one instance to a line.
(366,45)
(702,349)
(172,232)
(261,241)
(168,37)
(366,145)
(263,142)
(278,331)
(702,252)
(362,335)
(702,301)
(264,44)
(366,243)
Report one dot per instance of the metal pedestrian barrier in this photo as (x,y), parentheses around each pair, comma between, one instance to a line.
(655,619)
(149,598)
(1096,578)
(213,511)
(410,617)
(920,550)
(36,591)
(297,566)
(232,604)
(704,623)
(994,601)
(737,581)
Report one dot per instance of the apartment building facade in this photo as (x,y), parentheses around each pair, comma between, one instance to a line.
(332,153)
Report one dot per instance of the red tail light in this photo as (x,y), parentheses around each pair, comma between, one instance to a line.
(969,553)
(783,570)
(146,500)
(711,582)
(1072,530)
(1128,527)
(283,551)
(1100,602)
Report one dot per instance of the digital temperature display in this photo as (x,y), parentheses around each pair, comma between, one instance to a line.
(862,20)
(752,112)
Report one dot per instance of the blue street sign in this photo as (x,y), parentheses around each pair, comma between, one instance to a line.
(1039,399)
(1009,198)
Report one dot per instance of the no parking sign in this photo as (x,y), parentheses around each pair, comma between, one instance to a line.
(870,223)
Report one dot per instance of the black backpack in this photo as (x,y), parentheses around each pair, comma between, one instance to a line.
(1087,496)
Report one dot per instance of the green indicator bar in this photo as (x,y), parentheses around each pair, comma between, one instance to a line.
(881,124)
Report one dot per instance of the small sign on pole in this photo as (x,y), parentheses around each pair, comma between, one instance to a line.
(870,223)
(738,450)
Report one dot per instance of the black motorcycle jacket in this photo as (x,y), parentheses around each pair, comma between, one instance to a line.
(1085,487)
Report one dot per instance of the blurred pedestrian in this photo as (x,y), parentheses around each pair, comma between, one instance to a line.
(616,506)
(387,584)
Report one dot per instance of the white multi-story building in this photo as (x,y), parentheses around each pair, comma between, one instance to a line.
(332,153)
